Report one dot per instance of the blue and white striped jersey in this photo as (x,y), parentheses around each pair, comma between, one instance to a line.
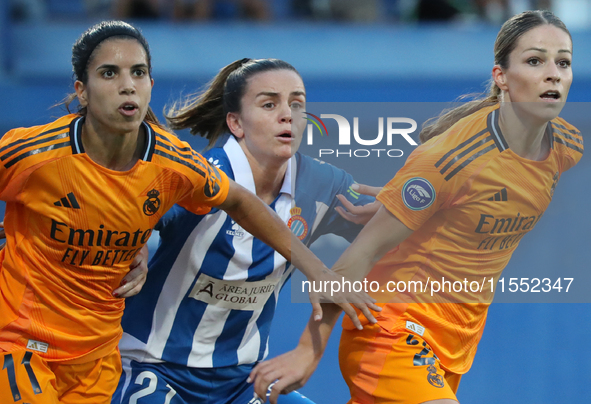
(212,288)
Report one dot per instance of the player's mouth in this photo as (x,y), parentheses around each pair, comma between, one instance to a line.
(285,136)
(551,96)
(128,108)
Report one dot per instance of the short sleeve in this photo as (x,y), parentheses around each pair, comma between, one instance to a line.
(210,187)
(6,175)
(568,142)
(23,150)
(419,189)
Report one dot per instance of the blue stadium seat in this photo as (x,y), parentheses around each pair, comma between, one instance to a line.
(65,9)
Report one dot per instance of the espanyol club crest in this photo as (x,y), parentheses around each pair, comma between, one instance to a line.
(297,224)
(418,193)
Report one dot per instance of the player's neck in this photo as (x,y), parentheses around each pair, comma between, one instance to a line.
(525,137)
(268,173)
(267,180)
(115,151)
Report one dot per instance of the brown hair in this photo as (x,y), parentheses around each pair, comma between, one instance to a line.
(505,43)
(205,112)
(83,50)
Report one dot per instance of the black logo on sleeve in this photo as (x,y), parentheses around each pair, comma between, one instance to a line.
(68,201)
(152,204)
(554,182)
(212,182)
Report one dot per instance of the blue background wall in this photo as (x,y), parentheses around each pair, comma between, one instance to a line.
(530,353)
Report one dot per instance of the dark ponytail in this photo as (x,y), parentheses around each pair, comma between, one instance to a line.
(439,124)
(205,112)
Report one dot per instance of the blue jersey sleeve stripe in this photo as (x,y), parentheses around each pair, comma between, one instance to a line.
(569,137)
(35,140)
(562,141)
(565,129)
(462,154)
(460,146)
(180,161)
(469,160)
(23,156)
(38,142)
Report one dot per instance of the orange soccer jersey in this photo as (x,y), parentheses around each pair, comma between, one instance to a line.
(73,227)
(470,200)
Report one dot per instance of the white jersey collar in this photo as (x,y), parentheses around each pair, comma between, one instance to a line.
(243,172)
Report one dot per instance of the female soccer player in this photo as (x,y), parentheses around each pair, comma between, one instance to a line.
(482,178)
(82,196)
(212,289)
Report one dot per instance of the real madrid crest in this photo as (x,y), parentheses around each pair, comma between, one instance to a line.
(297,224)
(434,378)
(152,204)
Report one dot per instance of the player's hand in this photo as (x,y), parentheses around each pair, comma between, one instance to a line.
(133,282)
(2,234)
(337,289)
(289,371)
(359,214)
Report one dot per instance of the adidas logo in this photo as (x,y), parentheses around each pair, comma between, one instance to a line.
(68,201)
(37,346)
(499,196)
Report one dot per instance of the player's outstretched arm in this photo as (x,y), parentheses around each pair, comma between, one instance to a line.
(381,234)
(254,216)
(359,214)
(293,369)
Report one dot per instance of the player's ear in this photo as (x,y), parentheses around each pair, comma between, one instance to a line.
(499,77)
(235,124)
(81,92)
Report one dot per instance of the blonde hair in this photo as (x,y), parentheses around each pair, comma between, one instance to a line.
(506,41)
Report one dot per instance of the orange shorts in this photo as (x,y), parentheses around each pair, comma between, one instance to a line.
(28,377)
(382,367)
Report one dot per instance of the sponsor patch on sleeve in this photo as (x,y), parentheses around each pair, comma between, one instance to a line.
(418,193)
